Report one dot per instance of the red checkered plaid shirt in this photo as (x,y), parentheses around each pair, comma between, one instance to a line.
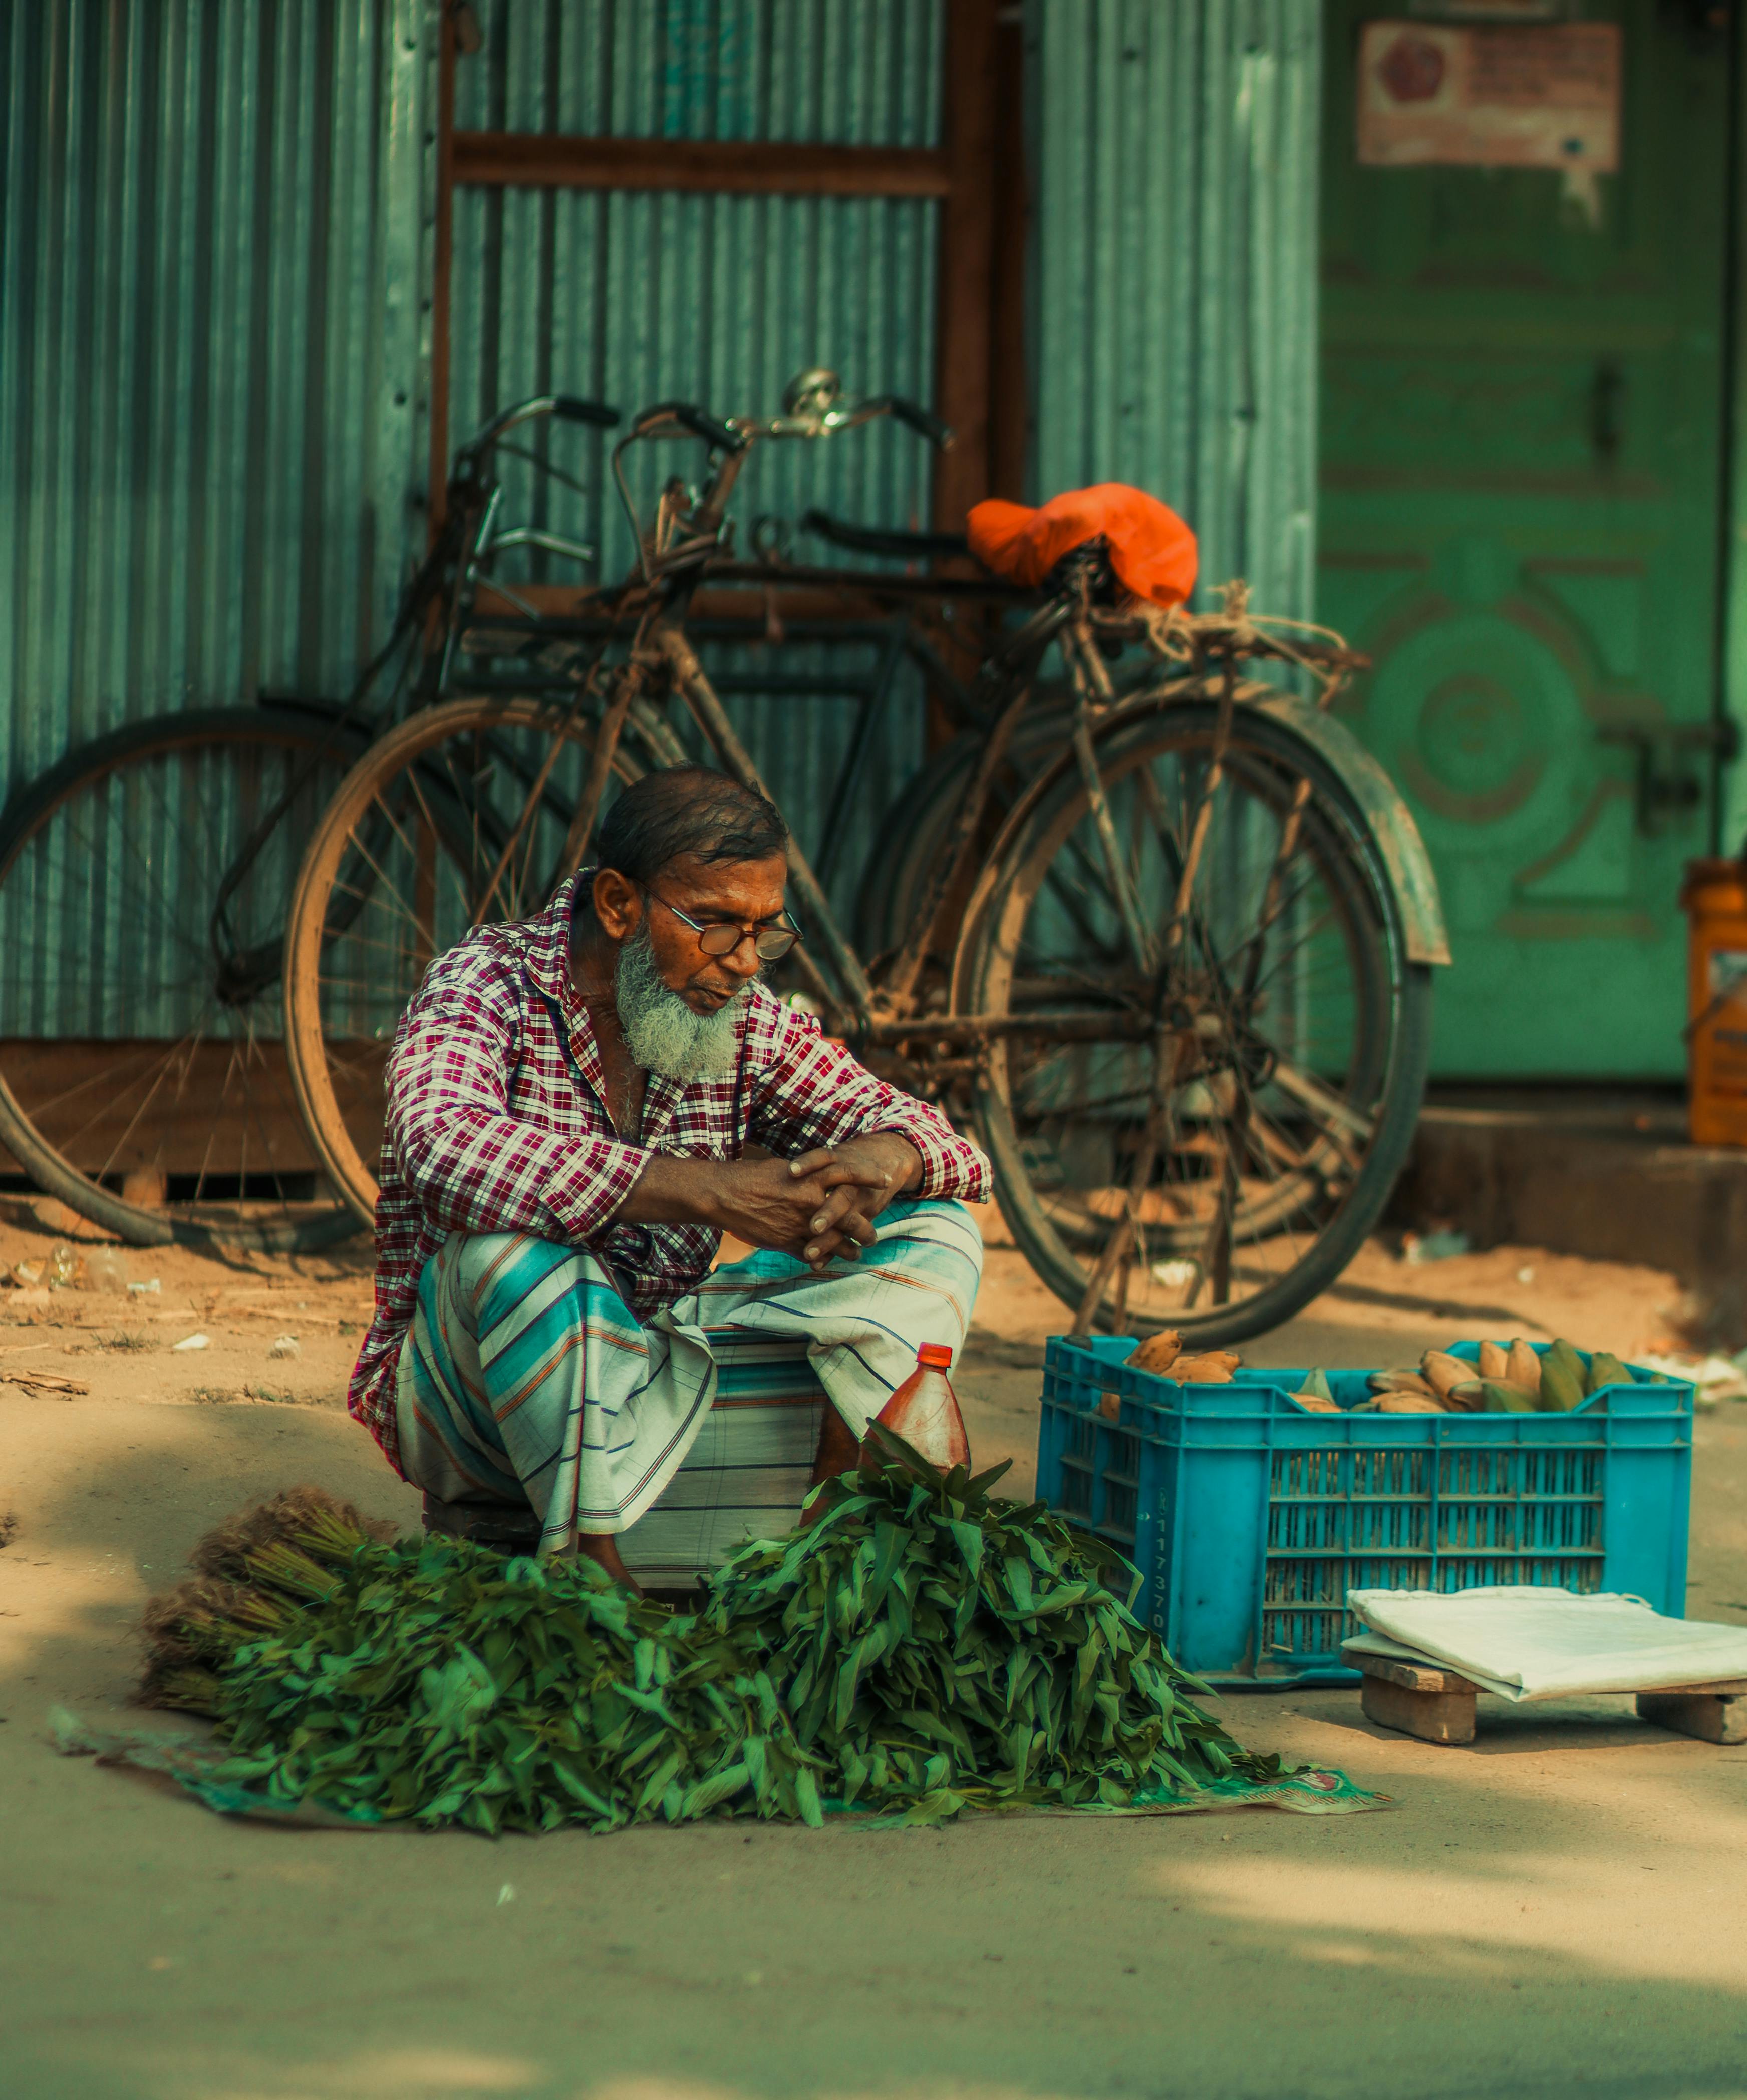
(497,1123)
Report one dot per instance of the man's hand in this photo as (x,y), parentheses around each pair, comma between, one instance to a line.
(820,1207)
(861,1177)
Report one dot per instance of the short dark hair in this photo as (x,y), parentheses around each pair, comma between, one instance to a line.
(687,811)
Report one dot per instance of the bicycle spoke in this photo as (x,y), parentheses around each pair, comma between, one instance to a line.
(133,856)
(461,817)
(1188,1200)
(1325,1104)
(114,1081)
(151,1095)
(381,873)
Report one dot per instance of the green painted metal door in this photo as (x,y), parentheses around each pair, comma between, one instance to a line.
(1522,438)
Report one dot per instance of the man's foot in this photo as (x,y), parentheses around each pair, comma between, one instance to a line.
(507,1528)
(603,1549)
(839,1452)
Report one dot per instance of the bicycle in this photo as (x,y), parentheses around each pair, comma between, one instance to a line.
(143,882)
(1184,995)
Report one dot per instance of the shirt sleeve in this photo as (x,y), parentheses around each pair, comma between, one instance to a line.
(810,1093)
(471,1165)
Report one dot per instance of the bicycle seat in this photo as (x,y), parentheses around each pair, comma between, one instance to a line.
(878,540)
(1091,559)
(1148,545)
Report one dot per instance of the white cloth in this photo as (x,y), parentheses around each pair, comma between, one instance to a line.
(1526,1642)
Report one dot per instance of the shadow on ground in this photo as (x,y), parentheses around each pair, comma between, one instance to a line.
(1555,1911)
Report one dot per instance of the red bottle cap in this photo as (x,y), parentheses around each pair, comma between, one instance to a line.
(935,1355)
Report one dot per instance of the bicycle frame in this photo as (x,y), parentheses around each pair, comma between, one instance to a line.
(463,541)
(1065,861)
(673,559)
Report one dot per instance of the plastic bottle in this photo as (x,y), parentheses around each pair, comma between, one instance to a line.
(62,1266)
(106,1269)
(924,1410)
(1714,897)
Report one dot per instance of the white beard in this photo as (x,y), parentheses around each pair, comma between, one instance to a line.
(661,1032)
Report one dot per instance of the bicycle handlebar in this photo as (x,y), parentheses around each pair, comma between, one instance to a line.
(880,540)
(568,408)
(572,409)
(810,410)
(939,434)
(700,421)
(811,415)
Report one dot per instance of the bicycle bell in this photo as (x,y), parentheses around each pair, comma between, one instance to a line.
(811,394)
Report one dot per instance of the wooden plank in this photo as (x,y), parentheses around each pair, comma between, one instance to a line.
(1434,1717)
(1709,1717)
(1009,379)
(1412,1676)
(134,1107)
(443,270)
(963,304)
(1436,1677)
(963,308)
(1437,1705)
(713,166)
(1728,1687)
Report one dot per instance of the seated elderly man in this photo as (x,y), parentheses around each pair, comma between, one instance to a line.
(579,1105)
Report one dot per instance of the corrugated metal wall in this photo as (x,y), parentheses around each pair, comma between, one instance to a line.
(1173,289)
(213,339)
(210,373)
(636,297)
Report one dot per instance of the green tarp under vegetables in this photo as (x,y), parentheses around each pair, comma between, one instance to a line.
(920,1649)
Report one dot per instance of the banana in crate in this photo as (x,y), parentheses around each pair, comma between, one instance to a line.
(1510,1377)
(1504,1378)
(1161,1354)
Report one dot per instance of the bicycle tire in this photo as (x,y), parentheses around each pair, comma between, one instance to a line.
(916,823)
(339,1017)
(1266,756)
(53,831)
(910,835)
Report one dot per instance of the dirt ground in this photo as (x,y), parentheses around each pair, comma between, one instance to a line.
(1557,1909)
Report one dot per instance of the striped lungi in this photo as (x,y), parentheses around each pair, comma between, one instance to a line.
(525,1379)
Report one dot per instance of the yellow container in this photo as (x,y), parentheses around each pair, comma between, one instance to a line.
(1714,898)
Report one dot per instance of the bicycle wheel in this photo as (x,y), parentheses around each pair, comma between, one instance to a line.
(1217,1158)
(142,1077)
(459,815)
(910,835)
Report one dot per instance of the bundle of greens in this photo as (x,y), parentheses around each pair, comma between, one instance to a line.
(918,1649)
(432,1680)
(938,1649)
(192,1632)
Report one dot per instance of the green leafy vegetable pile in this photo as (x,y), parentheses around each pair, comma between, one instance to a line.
(434,1680)
(940,1649)
(920,1649)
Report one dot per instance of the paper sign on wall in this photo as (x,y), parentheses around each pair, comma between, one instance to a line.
(1493,98)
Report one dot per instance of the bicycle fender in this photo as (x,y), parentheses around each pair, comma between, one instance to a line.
(1386,815)
(1386,812)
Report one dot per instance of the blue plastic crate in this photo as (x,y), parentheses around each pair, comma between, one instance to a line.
(1250,1517)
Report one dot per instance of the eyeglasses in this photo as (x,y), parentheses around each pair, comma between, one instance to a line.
(769,943)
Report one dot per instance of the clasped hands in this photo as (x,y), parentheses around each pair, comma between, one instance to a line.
(821,1207)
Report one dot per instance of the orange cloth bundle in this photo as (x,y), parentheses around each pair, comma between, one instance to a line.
(1152,550)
